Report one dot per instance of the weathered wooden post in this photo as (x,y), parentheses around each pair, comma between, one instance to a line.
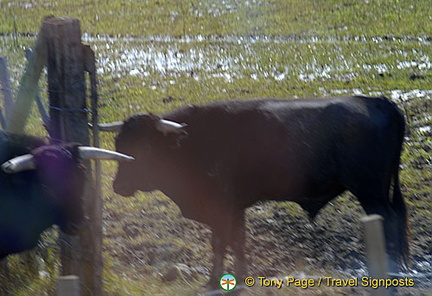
(68,286)
(375,251)
(81,255)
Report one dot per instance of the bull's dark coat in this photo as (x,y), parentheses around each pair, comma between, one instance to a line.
(32,201)
(235,153)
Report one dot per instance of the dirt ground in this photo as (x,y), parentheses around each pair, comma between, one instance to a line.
(281,241)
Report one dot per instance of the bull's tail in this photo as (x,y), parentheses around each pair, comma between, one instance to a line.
(398,203)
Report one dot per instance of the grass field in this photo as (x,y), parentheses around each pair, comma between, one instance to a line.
(156,55)
(395,18)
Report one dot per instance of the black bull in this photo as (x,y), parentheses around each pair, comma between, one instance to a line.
(41,185)
(27,206)
(229,155)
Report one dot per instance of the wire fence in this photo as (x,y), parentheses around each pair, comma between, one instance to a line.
(8,92)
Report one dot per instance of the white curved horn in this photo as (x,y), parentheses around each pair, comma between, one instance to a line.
(167,126)
(18,164)
(103,154)
(110,127)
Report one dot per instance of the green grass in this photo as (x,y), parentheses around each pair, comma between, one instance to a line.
(397,18)
(200,51)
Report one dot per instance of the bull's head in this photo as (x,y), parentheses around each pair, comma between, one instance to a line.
(146,137)
(62,175)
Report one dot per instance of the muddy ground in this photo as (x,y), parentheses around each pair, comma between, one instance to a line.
(278,243)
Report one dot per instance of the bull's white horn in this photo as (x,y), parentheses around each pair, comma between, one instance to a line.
(110,127)
(18,164)
(103,154)
(167,126)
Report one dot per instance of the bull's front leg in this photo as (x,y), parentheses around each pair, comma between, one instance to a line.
(219,244)
(237,242)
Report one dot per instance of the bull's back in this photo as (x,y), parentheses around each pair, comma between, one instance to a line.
(258,126)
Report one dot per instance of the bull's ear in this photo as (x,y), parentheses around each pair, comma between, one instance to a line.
(176,139)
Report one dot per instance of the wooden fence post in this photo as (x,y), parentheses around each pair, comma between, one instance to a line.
(68,286)
(81,255)
(375,250)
